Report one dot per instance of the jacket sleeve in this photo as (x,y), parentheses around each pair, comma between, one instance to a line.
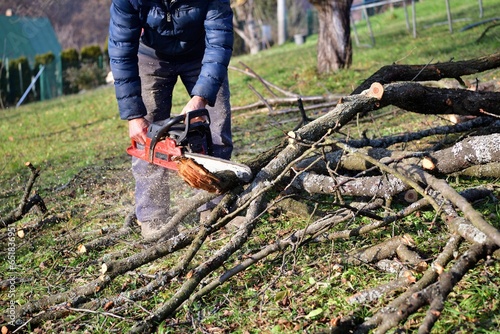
(124,33)
(219,47)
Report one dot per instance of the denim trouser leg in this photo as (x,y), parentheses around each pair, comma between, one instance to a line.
(158,78)
(220,116)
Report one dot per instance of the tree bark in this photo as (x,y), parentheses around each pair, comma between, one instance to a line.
(434,72)
(469,152)
(334,40)
(430,100)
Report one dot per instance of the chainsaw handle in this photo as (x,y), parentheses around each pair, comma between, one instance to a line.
(190,115)
(157,131)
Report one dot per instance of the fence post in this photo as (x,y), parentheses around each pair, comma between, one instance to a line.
(406,16)
(30,86)
(7,76)
(414,18)
(20,73)
(448,13)
(281,22)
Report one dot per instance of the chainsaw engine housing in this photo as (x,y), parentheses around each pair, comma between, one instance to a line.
(173,137)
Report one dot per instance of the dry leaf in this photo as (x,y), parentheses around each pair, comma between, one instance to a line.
(20,233)
(109,305)
(81,249)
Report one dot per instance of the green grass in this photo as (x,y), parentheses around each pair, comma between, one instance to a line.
(61,136)
(75,136)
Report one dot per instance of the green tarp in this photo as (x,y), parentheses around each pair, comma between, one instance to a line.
(28,37)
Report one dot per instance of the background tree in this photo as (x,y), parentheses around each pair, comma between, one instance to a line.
(334,37)
(249,18)
(252,18)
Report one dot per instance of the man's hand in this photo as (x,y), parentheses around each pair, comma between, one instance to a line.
(137,129)
(196,102)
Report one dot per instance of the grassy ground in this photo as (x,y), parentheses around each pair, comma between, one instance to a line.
(78,142)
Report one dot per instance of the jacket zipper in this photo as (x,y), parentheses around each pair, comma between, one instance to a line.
(167,4)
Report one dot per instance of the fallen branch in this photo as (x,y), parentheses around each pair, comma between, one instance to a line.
(466,153)
(385,175)
(26,203)
(378,292)
(436,294)
(454,197)
(430,100)
(428,278)
(438,71)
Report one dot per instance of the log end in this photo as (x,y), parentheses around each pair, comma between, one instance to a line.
(376,90)
(411,196)
(428,164)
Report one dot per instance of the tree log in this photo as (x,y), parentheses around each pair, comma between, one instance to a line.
(417,98)
(370,186)
(437,71)
(466,153)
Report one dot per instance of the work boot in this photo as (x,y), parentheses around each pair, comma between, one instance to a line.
(150,231)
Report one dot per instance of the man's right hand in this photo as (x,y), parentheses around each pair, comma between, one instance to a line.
(137,129)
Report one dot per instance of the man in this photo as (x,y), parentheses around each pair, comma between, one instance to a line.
(152,43)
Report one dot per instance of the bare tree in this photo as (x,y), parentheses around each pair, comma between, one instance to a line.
(334,40)
(245,25)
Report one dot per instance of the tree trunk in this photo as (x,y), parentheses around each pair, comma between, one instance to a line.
(334,41)
(244,25)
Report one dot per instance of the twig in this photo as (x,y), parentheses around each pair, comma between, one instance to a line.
(428,278)
(261,98)
(107,314)
(267,84)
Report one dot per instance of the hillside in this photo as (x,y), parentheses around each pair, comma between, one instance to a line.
(77,23)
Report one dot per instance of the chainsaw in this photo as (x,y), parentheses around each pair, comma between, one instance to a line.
(184,136)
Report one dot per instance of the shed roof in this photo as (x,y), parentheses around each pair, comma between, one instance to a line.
(27,36)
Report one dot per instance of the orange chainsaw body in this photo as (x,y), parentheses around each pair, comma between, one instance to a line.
(173,137)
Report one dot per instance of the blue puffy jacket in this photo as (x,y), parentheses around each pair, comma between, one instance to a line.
(178,30)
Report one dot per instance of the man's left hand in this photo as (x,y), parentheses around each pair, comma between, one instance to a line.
(196,102)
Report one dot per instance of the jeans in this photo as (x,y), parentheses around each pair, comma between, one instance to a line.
(158,78)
